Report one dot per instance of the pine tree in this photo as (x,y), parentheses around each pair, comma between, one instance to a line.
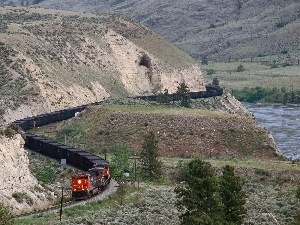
(232,195)
(183,94)
(151,166)
(198,197)
(164,97)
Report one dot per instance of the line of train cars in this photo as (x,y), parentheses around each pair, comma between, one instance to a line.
(211,91)
(96,176)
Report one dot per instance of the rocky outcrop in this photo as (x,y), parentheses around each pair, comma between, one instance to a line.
(52,60)
(19,188)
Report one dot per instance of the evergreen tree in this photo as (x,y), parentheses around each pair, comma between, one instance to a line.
(198,198)
(232,196)
(164,97)
(204,60)
(215,82)
(120,161)
(183,94)
(6,216)
(151,166)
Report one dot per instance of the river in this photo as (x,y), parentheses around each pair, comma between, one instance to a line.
(283,122)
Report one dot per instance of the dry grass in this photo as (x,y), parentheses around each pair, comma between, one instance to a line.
(256,73)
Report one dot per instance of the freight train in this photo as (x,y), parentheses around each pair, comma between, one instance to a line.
(211,91)
(97,175)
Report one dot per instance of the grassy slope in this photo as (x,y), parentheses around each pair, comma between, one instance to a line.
(256,73)
(180,132)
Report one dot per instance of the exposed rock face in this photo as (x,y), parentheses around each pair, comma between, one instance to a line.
(16,178)
(53,60)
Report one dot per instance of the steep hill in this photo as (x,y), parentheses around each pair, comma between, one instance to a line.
(223,30)
(55,59)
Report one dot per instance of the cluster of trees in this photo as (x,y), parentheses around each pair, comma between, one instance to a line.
(204,198)
(150,165)
(274,95)
(182,92)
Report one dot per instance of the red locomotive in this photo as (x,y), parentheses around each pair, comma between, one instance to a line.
(92,182)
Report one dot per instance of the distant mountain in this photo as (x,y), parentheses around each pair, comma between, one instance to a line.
(19,2)
(220,29)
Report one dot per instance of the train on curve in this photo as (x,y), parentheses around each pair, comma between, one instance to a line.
(96,175)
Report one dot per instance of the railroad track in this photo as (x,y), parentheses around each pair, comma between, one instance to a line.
(111,188)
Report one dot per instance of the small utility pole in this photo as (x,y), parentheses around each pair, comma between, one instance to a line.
(61,202)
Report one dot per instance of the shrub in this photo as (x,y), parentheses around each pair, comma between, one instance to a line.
(211,72)
(6,216)
(21,197)
(212,25)
(285,64)
(240,68)
(280,24)
(45,174)
(273,66)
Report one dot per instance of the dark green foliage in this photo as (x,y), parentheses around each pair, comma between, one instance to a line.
(203,198)
(240,68)
(274,95)
(212,25)
(183,95)
(284,52)
(120,161)
(204,60)
(211,72)
(21,197)
(6,216)
(45,174)
(298,192)
(273,66)
(164,97)
(232,195)
(198,197)
(215,82)
(150,164)
(280,24)
(285,64)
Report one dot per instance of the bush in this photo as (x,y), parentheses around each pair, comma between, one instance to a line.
(6,216)
(280,24)
(211,72)
(273,66)
(285,64)
(21,197)
(45,175)
(240,68)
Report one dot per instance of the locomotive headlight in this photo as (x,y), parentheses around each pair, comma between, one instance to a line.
(79,181)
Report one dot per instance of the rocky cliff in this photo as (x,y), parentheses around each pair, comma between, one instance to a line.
(55,59)
(19,188)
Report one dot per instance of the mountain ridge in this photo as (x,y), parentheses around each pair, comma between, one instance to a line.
(221,30)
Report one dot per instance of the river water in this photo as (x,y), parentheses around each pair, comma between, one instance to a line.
(283,122)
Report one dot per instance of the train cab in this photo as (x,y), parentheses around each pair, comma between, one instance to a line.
(81,186)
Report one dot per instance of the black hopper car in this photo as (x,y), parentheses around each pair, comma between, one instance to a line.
(76,157)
